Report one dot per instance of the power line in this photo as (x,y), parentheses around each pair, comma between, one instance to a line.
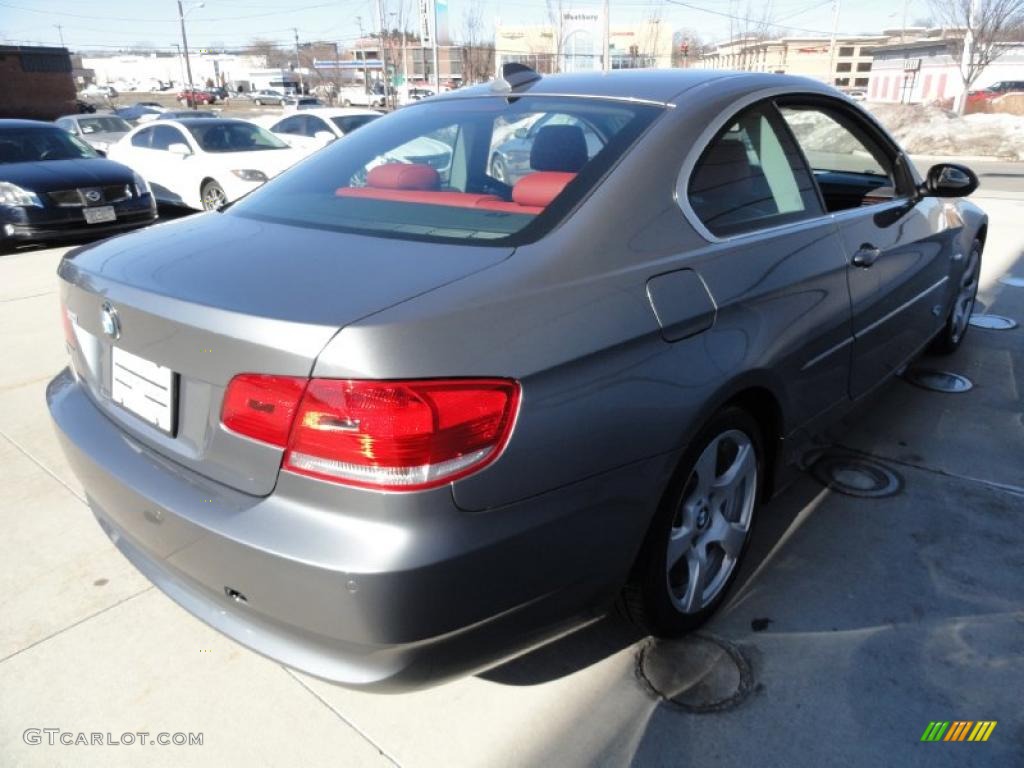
(747,19)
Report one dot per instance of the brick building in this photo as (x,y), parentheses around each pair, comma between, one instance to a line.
(35,82)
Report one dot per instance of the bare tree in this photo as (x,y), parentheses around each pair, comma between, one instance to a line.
(477,51)
(556,16)
(270,51)
(980,26)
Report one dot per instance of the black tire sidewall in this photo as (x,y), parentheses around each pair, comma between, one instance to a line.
(660,614)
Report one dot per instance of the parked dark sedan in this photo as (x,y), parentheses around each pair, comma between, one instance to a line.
(447,417)
(54,186)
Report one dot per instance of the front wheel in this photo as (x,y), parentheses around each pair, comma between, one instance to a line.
(258,103)
(700,532)
(213,196)
(959,319)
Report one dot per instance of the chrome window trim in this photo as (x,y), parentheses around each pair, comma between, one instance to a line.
(708,134)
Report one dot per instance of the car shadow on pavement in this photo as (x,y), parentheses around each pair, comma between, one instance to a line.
(614,632)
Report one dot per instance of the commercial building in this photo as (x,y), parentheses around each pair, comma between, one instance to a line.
(147,70)
(35,82)
(927,70)
(849,67)
(577,44)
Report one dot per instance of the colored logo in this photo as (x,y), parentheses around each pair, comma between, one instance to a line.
(959,730)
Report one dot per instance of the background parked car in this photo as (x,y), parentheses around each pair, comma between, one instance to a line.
(995,90)
(182,114)
(203,163)
(357,95)
(268,96)
(98,131)
(292,103)
(139,113)
(54,186)
(315,128)
(102,91)
(196,96)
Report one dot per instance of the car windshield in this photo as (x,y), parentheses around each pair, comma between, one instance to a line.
(234,137)
(103,125)
(348,123)
(28,145)
(444,170)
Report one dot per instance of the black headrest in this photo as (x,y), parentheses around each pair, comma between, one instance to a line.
(559,148)
(725,163)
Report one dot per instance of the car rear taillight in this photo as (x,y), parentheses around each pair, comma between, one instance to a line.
(69,331)
(262,407)
(388,435)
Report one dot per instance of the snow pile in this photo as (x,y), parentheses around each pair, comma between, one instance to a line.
(930,130)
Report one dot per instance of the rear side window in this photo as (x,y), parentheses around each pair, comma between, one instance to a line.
(428,171)
(751,177)
(164,136)
(142,138)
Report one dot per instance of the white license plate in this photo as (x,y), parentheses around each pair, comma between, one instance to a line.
(144,388)
(99,214)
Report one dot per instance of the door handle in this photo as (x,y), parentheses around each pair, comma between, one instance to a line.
(866,256)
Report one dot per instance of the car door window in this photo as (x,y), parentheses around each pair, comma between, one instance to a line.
(143,138)
(290,125)
(165,135)
(750,177)
(852,168)
(315,125)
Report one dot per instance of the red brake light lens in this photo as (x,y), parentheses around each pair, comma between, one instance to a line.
(262,407)
(400,435)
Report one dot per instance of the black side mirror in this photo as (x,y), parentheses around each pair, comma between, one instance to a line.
(949,180)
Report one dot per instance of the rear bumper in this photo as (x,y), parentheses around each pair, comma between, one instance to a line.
(404,592)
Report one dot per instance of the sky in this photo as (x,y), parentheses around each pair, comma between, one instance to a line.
(233,23)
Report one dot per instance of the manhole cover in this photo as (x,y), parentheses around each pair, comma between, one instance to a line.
(856,476)
(938,381)
(993,322)
(1016,282)
(699,673)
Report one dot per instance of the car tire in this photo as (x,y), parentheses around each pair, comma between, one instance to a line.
(212,196)
(499,170)
(346,103)
(257,102)
(704,524)
(958,321)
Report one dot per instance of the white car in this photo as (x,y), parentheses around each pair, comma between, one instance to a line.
(308,130)
(203,164)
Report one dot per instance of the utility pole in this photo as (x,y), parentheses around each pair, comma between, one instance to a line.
(433,37)
(188,64)
(181,62)
(384,55)
(607,44)
(60,30)
(298,61)
(832,44)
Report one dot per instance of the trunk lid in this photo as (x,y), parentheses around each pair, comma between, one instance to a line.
(215,295)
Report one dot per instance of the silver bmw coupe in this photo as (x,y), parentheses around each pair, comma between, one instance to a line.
(390,419)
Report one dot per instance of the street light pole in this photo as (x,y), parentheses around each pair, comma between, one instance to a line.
(181,61)
(188,64)
(298,61)
(60,30)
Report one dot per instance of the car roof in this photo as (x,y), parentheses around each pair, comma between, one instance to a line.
(17,123)
(206,122)
(658,86)
(338,111)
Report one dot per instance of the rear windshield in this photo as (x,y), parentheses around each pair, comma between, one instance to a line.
(103,125)
(27,145)
(234,137)
(492,169)
(348,123)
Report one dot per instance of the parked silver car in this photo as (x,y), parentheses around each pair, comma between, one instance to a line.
(390,423)
(98,131)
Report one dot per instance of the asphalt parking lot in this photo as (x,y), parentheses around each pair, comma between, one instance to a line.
(856,622)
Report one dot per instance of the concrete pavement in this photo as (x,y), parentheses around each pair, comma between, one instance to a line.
(860,620)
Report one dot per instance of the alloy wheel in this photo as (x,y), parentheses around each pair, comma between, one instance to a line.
(713,521)
(213,197)
(964,303)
